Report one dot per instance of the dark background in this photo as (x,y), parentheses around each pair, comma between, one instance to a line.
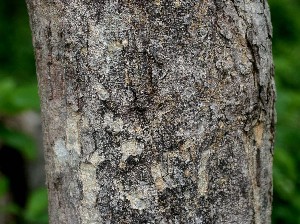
(23,198)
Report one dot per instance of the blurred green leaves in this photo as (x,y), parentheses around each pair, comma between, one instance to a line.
(36,206)
(19,141)
(3,186)
(35,211)
(286,51)
(18,93)
(15,99)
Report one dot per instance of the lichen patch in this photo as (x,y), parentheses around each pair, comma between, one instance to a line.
(115,46)
(203,174)
(141,198)
(90,189)
(131,148)
(96,159)
(137,200)
(157,2)
(114,124)
(177,3)
(61,151)
(187,150)
(156,172)
(102,93)
(72,133)
(88,178)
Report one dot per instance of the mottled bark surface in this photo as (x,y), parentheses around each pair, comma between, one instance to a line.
(156,111)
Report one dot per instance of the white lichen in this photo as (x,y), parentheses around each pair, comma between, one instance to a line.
(137,201)
(115,125)
(203,174)
(140,196)
(156,172)
(177,3)
(194,133)
(131,148)
(125,43)
(115,46)
(187,150)
(90,216)
(88,210)
(72,133)
(157,2)
(96,159)
(88,178)
(61,151)
(102,93)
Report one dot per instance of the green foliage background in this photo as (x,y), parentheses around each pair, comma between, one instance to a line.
(286,51)
(18,92)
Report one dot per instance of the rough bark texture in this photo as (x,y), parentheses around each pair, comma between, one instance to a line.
(156,111)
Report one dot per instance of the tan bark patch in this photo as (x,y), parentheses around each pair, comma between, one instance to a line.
(258,133)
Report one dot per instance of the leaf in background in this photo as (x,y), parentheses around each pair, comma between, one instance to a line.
(25,144)
(285,174)
(11,209)
(37,206)
(3,185)
(25,97)
(15,99)
(6,89)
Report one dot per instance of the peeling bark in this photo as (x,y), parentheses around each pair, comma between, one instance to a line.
(156,111)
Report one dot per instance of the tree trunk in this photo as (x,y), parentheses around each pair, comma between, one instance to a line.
(156,111)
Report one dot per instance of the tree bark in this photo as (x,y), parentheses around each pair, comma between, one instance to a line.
(156,111)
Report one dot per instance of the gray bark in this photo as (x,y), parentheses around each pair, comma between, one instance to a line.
(156,111)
